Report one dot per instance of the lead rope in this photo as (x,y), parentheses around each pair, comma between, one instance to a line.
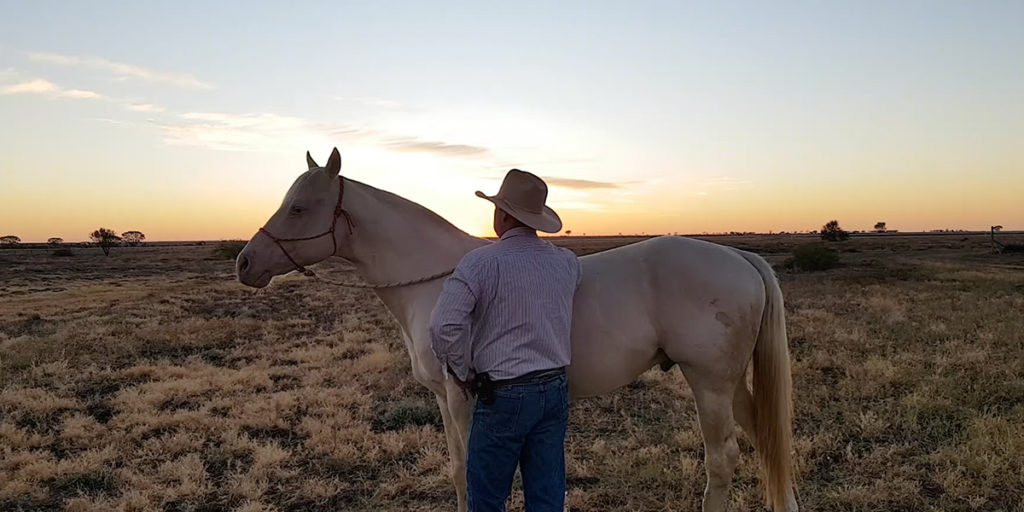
(309,273)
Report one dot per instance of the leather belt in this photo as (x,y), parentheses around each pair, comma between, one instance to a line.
(536,376)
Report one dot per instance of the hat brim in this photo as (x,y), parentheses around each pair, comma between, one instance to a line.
(546,221)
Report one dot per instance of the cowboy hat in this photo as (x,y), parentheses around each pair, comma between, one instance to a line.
(522,195)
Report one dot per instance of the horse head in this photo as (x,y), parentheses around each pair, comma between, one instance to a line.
(307,228)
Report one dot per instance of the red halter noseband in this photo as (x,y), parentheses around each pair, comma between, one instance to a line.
(338,211)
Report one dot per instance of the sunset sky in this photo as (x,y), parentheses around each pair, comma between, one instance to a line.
(189,120)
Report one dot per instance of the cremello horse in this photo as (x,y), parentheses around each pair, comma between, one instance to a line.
(711,309)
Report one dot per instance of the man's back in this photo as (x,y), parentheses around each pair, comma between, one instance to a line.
(506,313)
(524,308)
(522,288)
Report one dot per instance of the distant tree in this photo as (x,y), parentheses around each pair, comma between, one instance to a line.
(55,240)
(133,238)
(105,238)
(880,227)
(997,246)
(568,232)
(833,233)
(10,240)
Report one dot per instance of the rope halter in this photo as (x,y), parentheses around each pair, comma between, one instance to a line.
(338,212)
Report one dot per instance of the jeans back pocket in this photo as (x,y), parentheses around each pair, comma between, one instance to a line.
(502,416)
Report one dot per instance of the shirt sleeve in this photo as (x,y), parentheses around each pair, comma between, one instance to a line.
(450,324)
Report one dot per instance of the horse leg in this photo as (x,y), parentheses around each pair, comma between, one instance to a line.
(721,452)
(743,410)
(456,415)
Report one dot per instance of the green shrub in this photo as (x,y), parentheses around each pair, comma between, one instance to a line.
(812,257)
(405,413)
(229,249)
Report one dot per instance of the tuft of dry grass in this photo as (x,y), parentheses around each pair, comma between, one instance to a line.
(150,380)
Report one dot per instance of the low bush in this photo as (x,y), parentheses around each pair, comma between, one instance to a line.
(406,413)
(812,257)
(63,253)
(229,249)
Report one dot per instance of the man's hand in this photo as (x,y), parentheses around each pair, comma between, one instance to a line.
(466,386)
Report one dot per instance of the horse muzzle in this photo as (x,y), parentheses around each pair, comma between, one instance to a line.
(248,273)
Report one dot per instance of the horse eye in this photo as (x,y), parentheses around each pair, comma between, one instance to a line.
(295,210)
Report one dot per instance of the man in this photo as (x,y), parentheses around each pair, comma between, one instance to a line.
(502,326)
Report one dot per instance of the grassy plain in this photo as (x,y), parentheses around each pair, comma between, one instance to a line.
(151,380)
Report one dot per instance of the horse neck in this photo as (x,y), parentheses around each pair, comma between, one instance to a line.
(395,239)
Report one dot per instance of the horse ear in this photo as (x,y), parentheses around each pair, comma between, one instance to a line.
(333,163)
(309,161)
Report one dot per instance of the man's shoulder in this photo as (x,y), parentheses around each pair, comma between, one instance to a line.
(562,252)
(479,256)
(490,253)
(568,253)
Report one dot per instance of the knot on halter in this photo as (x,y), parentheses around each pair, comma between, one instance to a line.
(339,210)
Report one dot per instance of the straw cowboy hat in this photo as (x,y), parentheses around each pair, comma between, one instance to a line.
(522,195)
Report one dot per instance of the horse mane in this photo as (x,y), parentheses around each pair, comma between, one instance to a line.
(398,202)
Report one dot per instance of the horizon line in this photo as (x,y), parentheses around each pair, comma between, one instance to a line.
(601,235)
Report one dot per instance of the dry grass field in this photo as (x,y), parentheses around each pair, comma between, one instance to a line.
(151,380)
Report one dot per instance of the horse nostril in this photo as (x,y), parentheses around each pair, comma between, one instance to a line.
(243,263)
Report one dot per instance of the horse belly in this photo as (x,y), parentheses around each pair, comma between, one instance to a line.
(695,302)
(613,336)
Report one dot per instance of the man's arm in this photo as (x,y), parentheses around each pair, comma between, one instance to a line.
(450,325)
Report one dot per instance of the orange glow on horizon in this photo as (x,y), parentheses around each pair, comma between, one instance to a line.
(183,218)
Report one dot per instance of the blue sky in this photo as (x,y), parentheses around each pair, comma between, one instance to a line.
(679,117)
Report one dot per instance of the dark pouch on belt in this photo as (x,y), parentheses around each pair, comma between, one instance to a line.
(483,388)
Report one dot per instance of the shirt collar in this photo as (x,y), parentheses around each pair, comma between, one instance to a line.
(520,231)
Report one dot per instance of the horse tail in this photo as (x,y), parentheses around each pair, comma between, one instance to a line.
(773,390)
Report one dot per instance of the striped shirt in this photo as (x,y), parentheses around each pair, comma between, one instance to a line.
(507,309)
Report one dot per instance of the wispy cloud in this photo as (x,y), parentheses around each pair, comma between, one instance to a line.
(37,86)
(576,204)
(372,102)
(273,132)
(117,122)
(144,107)
(41,86)
(253,132)
(79,93)
(122,70)
(578,184)
(436,147)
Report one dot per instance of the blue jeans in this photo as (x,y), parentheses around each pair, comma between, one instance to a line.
(525,426)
